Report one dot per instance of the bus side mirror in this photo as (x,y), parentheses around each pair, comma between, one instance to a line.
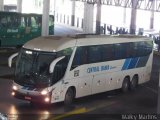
(53,63)
(11,58)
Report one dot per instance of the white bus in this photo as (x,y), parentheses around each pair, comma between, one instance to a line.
(61,68)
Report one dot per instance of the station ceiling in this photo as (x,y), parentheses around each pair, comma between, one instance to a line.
(151,5)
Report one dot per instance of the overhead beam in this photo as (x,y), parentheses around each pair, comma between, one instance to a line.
(140,4)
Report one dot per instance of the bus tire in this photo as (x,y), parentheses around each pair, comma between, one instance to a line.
(69,97)
(125,85)
(134,83)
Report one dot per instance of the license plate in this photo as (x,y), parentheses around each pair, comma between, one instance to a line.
(27,98)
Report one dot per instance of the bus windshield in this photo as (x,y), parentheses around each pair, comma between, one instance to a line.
(32,68)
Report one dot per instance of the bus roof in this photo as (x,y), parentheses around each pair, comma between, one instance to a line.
(50,43)
(57,43)
(6,13)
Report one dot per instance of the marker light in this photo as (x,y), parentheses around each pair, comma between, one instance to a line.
(13,93)
(29,52)
(46,99)
(44,92)
(15,87)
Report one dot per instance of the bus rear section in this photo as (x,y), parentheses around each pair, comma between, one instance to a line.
(109,66)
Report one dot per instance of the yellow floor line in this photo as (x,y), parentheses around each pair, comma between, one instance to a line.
(81,110)
(77,111)
(100,106)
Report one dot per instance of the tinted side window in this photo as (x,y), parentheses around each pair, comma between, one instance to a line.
(59,70)
(141,49)
(66,52)
(15,21)
(34,22)
(129,50)
(27,21)
(148,47)
(81,57)
(94,54)
(23,24)
(137,49)
(3,22)
(107,52)
(51,20)
(118,51)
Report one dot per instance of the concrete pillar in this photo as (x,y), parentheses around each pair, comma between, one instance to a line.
(45,18)
(98,17)
(158,110)
(124,16)
(133,17)
(88,18)
(152,15)
(19,6)
(1,5)
(54,10)
(73,13)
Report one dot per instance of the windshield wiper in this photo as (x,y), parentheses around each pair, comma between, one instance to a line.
(29,78)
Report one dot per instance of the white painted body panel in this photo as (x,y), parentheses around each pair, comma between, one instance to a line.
(88,82)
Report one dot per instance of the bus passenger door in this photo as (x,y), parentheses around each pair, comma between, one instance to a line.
(98,84)
(79,71)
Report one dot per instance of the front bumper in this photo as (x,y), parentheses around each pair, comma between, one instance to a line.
(32,98)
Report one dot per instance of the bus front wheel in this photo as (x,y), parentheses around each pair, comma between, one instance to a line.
(125,85)
(69,97)
(134,83)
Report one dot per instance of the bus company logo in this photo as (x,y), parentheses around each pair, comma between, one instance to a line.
(99,68)
(34,30)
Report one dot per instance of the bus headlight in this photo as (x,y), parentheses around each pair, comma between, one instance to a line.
(13,93)
(47,99)
(44,92)
(15,87)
